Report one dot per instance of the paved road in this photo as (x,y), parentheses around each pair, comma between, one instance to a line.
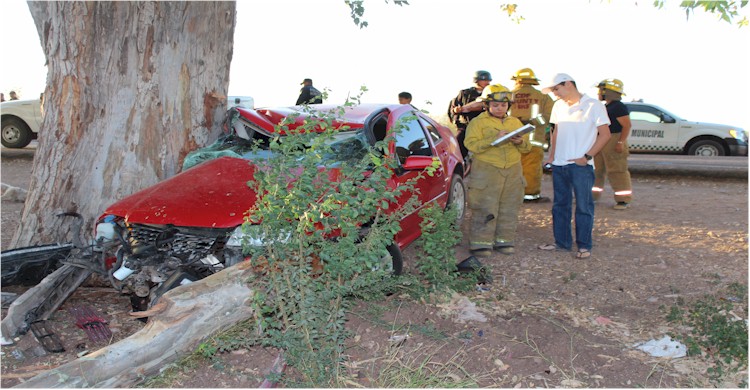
(652,164)
(670,165)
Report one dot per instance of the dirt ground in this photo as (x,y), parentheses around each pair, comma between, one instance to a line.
(547,320)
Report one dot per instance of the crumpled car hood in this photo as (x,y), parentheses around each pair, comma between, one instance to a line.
(213,194)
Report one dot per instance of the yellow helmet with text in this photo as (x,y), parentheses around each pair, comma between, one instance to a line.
(525,76)
(612,85)
(496,93)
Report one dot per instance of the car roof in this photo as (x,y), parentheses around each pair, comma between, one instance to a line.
(353,116)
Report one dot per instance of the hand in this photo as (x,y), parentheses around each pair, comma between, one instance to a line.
(580,161)
(619,147)
(517,140)
(458,109)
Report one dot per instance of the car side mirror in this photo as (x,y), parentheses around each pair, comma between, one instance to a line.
(416,163)
(667,119)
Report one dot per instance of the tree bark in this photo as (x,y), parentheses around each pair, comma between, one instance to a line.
(132,87)
(184,317)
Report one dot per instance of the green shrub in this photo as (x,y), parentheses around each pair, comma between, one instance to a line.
(716,329)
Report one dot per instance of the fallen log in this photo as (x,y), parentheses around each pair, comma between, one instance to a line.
(183,318)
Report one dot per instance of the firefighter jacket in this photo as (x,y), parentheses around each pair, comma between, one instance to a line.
(466,96)
(524,97)
(484,129)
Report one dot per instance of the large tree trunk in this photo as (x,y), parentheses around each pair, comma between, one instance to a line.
(182,319)
(131,88)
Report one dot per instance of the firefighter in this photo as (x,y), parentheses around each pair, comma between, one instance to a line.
(496,184)
(528,101)
(612,161)
(460,112)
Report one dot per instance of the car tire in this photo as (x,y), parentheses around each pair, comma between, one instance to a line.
(15,133)
(397,258)
(457,197)
(706,147)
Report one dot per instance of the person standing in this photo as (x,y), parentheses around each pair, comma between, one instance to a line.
(13,95)
(458,112)
(404,98)
(527,102)
(496,186)
(2,97)
(309,94)
(581,129)
(612,161)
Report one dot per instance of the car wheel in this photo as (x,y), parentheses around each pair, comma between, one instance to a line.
(396,259)
(393,262)
(706,147)
(15,133)
(457,197)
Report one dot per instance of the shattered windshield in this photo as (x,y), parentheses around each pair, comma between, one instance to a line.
(345,147)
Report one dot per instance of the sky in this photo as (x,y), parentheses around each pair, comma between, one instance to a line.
(697,68)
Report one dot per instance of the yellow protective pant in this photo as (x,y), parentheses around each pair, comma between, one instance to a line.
(610,164)
(494,197)
(532,170)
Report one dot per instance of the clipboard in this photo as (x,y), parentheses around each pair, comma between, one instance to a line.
(525,129)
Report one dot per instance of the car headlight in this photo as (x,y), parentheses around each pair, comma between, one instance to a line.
(738,134)
(254,235)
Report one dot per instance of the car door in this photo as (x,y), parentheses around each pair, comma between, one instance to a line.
(412,139)
(652,130)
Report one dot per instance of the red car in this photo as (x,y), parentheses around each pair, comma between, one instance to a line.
(186,227)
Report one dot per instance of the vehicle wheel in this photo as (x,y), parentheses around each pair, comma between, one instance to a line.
(706,147)
(457,197)
(393,262)
(15,133)
(396,259)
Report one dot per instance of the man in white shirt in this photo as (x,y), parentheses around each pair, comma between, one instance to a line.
(581,131)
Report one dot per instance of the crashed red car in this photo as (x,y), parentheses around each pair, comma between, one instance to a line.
(187,227)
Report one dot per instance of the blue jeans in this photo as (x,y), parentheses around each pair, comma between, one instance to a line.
(569,180)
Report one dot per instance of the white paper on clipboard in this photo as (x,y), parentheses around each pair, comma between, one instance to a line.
(525,129)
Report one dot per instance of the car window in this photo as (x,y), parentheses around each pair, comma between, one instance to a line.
(644,113)
(411,141)
(431,129)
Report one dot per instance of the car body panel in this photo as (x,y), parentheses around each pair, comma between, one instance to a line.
(213,194)
(655,129)
(30,111)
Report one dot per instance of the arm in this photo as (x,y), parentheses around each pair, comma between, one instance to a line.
(601,139)
(626,125)
(454,108)
(473,106)
(522,143)
(479,139)
(552,143)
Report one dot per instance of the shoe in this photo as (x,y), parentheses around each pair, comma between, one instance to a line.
(506,250)
(583,254)
(621,206)
(547,247)
(481,252)
(540,199)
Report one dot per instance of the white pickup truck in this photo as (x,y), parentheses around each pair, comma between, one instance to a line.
(21,120)
(657,130)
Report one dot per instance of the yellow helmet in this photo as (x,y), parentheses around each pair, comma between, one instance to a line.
(496,93)
(526,76)
(612,85)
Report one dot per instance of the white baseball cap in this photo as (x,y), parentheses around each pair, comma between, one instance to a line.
(559,78)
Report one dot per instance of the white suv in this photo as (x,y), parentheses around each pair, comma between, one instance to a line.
(657,130)
(20,122)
